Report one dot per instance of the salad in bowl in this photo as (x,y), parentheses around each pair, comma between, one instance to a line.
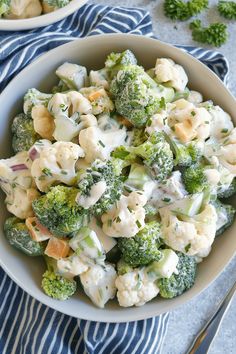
(118,180)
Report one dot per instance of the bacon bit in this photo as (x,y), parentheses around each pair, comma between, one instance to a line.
(37,231)
(124,121)
(57,248)
(95,95)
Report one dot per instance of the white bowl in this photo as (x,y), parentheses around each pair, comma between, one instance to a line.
(42,20)
(91,52)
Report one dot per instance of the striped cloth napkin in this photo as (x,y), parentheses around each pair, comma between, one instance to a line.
(27,326)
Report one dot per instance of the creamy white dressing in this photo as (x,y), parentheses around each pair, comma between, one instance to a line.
(97,190)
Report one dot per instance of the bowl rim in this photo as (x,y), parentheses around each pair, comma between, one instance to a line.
(42,20)
(53,304)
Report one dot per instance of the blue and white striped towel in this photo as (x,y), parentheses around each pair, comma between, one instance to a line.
(27,326)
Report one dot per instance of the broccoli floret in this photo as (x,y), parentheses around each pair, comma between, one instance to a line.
(155,152)
(157,155)
(57,3)
(225,214)
(137,96)
(143,247)
(185,155)
(55,285)
(18,236)
(180,10)
(101,171)
(34,97)
(4,7)
(227,9)
(118,61)
(139,137)
(58,211)
(194,178)
(228,192)
(24,135)
(216,34)
(179,283)
(123,267)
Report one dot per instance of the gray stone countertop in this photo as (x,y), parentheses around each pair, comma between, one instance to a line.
(187,320)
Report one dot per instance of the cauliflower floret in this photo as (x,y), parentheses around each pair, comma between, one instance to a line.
(66,109)
(221,123)
(173,189)
(167,71)
(195,97)
(189,235)
(99,283)
(99,78)
(98,98)
(16,181)
(43,122)
(24,9)
(126,217)
(71,266)
(56,163)
(189,122)
(135,288)
(99,144)
(158,123)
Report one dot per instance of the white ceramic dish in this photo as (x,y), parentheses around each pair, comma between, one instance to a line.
(91,52)
(43,20)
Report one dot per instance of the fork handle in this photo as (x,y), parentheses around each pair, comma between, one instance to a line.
(203,341)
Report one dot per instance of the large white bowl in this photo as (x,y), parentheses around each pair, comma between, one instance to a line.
(42,20)
(91,52)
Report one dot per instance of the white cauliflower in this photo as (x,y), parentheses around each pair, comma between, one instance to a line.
(221,123)
(71,266)
(99,78)
(24,9)
(43,122)
(167,71)
(189,122)
(135,288)
(158,123)
(66,109)
(173,189)
(195,97)
(56,164)
(98,98)
(73,75)
(99,144)
(99,283)
(126,217)
(190,235)
(16,181)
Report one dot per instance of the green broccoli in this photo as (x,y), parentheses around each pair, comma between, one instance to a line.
(227,9)
(216,34)
(4,7)
(179,283)
(101,171)
(24,135)
(58,211)
(228,192)
(137,96)
(194,178)
(123,267)
(225,213)
(143,248)
(185,155)
(139,137)
(180,10)
(34,97)
(118,61)
(55,285)
(18,236)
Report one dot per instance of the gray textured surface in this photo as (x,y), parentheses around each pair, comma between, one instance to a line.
(187,320)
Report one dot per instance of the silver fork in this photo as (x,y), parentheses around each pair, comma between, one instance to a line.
(204,339)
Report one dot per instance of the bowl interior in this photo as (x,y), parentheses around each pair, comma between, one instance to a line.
(91,52)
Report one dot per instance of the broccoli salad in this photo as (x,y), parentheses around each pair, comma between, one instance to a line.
(19,9)
(119,180)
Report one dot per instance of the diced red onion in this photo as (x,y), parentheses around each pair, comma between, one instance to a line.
(33,154)
(19,167)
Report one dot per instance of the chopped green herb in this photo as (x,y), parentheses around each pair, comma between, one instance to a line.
(225,130)
(138,224)
(63,172)
(101,143)
(186,248)
(166,200)
(193,113)
(47,172)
